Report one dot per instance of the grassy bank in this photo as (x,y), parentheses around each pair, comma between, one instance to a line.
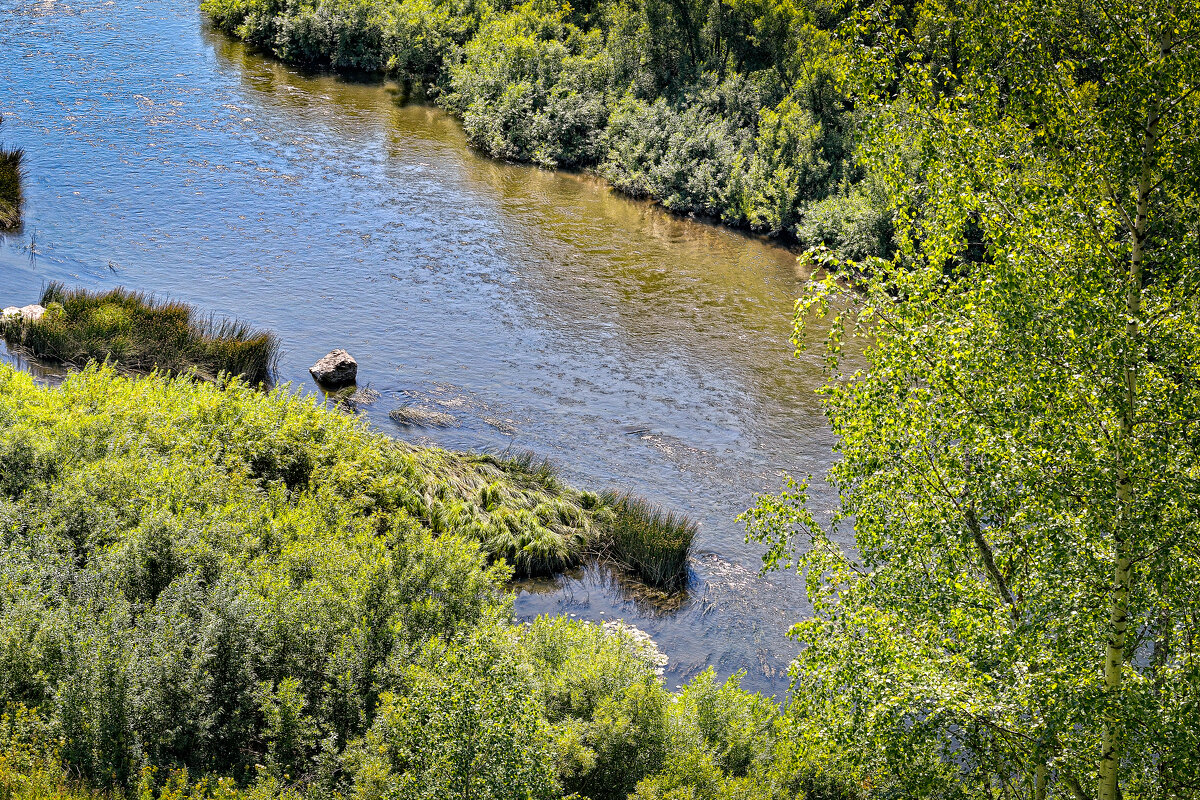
(730,111)
(513,505)
(212,591)
(11,176)
(141,333)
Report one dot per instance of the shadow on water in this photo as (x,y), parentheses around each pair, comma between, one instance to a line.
(640,351)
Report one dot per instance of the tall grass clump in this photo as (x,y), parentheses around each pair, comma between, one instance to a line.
(11,175)
(649,541)
(142,333)
(513,506)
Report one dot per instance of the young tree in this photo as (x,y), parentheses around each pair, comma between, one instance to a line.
(1020,460)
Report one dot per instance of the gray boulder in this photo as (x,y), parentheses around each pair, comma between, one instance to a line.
(336,369)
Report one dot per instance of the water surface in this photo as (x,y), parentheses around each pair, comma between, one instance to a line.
(638,350)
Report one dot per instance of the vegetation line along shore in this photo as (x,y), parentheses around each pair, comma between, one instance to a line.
(515,506)
(208,590)
(142,333)
(736,111)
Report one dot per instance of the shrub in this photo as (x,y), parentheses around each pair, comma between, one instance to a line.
(682,157)
(465,726)
(174,604)
(167,607)
(532,86)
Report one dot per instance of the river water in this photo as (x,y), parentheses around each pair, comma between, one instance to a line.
(638,350)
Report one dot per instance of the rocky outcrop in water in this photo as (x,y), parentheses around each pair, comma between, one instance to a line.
(29,313)
(338,368)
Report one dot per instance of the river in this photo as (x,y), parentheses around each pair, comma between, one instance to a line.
(638,350)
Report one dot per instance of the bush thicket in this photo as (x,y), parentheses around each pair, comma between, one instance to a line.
(210,591)
(731,110)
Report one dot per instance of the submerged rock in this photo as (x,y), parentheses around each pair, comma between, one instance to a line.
(353,398)
(29,313)
(415,415)
(338,368)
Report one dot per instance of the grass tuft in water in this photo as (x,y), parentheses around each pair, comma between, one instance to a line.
(12,174)
(141,333)
(649,541)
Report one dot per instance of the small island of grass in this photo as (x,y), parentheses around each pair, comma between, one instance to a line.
(141,333)
(11,175)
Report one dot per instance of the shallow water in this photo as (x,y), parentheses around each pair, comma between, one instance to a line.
(639,351)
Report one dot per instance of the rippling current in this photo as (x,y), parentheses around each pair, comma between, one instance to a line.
(637,350)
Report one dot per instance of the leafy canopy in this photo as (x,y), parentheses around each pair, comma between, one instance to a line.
(1019,466)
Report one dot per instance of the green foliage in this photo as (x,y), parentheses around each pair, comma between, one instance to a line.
(141,333)
(201,579)
(681,156)
(466,727)
(737,110)
(531,87)
(607,709)
(1019,457)
(169,605)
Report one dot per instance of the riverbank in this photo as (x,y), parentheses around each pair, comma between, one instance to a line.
(660,106)
(249,586)
(140,333)
(636,350)
(514,506)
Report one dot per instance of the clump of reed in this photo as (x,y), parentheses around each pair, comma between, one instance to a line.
(520,511)
(12,174)
(514,506)
(649,541)
(141,333)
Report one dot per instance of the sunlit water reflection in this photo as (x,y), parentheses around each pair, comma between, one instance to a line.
(639,351)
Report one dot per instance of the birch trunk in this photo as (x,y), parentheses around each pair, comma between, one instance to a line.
(1112,737)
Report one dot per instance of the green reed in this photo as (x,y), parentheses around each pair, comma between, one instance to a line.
(649,541)
(11,175)
(142,333)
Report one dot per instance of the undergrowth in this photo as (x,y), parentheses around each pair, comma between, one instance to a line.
(211,591)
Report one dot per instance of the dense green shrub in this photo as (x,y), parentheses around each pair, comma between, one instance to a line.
(681,156)
(731,110)
(466,726)
(532,86)
(211,591)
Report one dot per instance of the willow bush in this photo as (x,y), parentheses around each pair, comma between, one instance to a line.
(216,592)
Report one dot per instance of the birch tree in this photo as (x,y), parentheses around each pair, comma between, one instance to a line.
(1019,465)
